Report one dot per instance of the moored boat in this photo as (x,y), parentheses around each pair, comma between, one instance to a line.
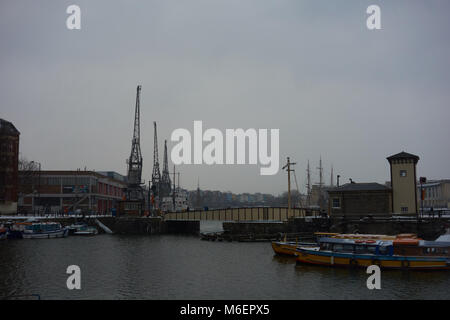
(3,232)
(403,253)
(82,229)
(288,248)
(44,230)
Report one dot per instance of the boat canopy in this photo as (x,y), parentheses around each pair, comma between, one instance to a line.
(355,241)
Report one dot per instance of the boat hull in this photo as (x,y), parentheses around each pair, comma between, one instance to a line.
(46,235)
(290,248)
(285,249)
(85,233)
(333,259)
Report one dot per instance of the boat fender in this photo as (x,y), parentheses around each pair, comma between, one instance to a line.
(405,264)
(353,262)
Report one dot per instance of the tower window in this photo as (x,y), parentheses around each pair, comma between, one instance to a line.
(404,209)
(402,173)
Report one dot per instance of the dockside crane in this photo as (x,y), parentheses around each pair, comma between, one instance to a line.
(134,190)
(156,174)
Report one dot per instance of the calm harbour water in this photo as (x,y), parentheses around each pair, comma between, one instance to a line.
(184,267)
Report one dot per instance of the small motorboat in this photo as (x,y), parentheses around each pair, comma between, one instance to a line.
(82,229)
(44,230)
(289,248)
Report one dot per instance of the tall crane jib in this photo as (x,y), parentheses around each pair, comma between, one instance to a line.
(165,187)
(156,175)
(135,160)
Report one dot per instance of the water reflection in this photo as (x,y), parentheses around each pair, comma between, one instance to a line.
(183,267)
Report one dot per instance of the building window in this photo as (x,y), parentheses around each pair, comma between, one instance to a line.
(336,203)
(405,209)
(402,173)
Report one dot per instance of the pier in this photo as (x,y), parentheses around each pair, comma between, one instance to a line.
(244,214)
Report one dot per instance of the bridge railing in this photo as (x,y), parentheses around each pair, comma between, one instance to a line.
(243,214)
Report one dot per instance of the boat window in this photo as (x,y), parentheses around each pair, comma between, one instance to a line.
(371,249)
(383,250)
(343,248)
(361,249)
(348,247)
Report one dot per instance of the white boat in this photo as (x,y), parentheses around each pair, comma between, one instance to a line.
(82,229)
(44,230)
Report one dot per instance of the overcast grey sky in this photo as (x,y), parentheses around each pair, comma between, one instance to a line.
(310,68)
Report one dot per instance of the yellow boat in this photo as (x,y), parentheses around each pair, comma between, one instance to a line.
(404,253)
(288,248)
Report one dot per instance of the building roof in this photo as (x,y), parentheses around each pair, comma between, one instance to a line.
(371,186)
(403,155)
(7,128)
(78,173)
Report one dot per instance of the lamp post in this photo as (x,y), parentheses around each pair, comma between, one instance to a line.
(39,185)
(38,191)
(422,196)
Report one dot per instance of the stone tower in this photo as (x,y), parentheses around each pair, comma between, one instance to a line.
(403,182)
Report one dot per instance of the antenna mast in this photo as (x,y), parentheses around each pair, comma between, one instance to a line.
(308,185)
(332,178)
(288,169)
(320,198)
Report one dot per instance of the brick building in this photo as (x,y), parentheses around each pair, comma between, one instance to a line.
(67,191)
(360,199)
(9,164)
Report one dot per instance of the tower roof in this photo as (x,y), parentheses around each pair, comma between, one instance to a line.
(403,155)
(371,186)
(8,128)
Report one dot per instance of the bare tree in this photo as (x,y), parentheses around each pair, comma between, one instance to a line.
(28,175)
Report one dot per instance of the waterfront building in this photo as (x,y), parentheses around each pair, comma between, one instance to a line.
(9,163)
(436,194)
(399,197)
(360,199)
(404,183)
(67,191)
